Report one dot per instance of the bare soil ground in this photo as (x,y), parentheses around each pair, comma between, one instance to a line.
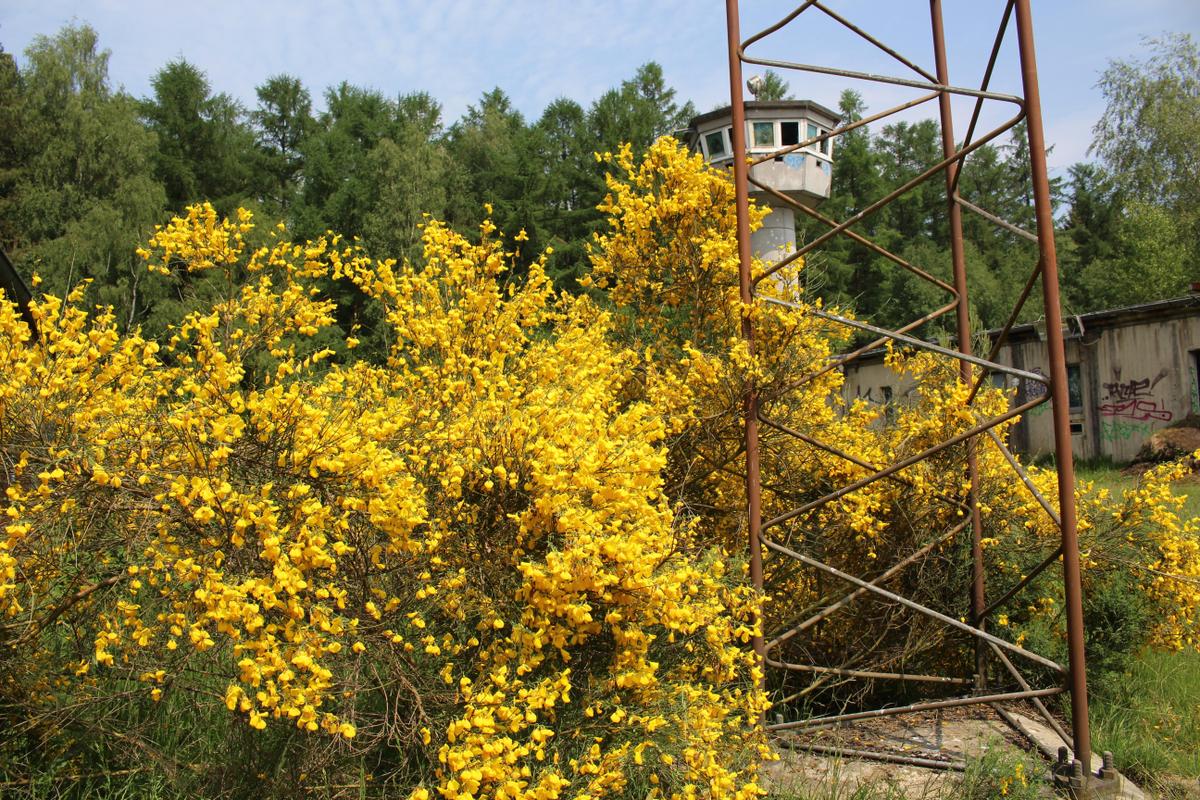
(948,735)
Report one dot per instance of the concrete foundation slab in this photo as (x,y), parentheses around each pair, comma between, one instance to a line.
(836,759)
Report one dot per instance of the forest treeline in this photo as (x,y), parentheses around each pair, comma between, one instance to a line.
(87,170)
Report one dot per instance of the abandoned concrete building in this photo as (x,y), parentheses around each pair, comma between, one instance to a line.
(1131,371)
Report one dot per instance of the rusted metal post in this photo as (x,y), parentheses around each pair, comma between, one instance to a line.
(962,312)
(973,368)
(742,189)
(1060,401)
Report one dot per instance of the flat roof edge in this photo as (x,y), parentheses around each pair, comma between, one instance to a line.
(767,105)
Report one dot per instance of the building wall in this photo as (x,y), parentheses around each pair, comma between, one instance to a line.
(1128,381)
(873,381)
(1034,434)
(1145,379)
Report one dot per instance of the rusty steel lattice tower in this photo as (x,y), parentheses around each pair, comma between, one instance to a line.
(769,538)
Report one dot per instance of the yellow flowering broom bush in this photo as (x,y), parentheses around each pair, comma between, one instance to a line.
(669,262)
(459,567)
(505,562)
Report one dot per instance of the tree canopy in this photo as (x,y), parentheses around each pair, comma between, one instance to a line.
(1134,222)
(86,171)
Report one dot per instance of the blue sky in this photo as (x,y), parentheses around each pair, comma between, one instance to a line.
(537,50)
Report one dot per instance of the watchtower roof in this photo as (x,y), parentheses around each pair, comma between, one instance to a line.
(766,108)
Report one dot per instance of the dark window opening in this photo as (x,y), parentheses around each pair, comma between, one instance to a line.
(715,142)
(1195,392)
(789,133)
(1074,388)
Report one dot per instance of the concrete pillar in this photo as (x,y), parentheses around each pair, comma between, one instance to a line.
(776,240)
(777,236)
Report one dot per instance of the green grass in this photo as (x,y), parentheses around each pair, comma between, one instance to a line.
(1149,717)
(1192,507)
(1107,476)
(1150,720)
(1002,772)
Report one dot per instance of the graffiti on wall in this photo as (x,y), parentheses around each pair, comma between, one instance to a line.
(879,395)
(1033,390)
(1134,399)
(1121,430)
(868,393)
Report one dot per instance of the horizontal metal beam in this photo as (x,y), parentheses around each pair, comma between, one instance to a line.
(957,765)
(863,673)
(931,705)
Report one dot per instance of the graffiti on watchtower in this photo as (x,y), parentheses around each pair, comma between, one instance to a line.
(1134,399)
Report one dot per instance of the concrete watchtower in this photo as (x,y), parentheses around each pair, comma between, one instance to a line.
(803,174)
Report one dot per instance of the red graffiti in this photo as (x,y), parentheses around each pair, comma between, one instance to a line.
(1132,399)
(1140,410)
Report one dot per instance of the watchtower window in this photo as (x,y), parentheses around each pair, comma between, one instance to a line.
(715,144)
(822,146)
(764,134)
(789,133)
